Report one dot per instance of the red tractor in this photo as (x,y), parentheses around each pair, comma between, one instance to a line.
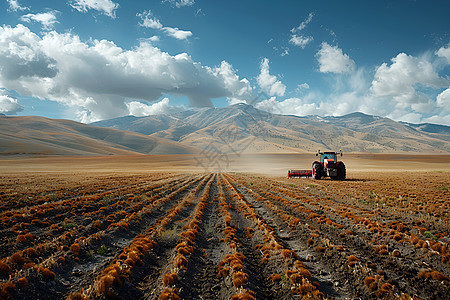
(328,165)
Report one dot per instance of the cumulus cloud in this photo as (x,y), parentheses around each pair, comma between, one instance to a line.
(177,33)
(8,104)
(409,88)
(99,77)
(299,39)
(47,19)
(443,100)
(291,106)
(444,52)
(269,83)
(400,80)
(106,7)
(332,60)
(180,3)
(21,55)
(241,88)
(15,6)
(140,109)
(404,90)
(148,20)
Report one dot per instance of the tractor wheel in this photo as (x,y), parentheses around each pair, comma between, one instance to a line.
(342,172)
(317,170)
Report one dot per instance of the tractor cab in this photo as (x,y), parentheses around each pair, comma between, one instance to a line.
(329,156)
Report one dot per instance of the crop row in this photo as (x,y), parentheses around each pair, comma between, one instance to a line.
(272,249)
(349,228)
(71,245)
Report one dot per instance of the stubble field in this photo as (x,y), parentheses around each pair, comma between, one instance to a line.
(227,235)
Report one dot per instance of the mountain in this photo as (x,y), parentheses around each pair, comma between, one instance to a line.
(38,135)
(430,128)
(242,128)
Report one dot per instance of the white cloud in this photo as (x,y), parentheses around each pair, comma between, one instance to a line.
(411,89)
(241,88)
(199,13)
(438,119)
(47,19)
(154,38)
(148,20)
(232,101)
(303,24)
(443,100)
(300,41)
(15,6)
(106,7)
(269,83)
(21,55)
(404,90)
(177,33)
(401,79)
(332,60)
(444,52)
(140,109)
(302,87)
(8,104)
(180,3)
(99,77)
(291,106)
(285,51)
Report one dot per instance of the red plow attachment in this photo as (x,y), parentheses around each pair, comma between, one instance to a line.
(299,173)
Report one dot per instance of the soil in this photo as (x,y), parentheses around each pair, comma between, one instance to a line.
(229,235)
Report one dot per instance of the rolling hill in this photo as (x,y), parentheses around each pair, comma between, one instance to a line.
(42,136)
(242,128)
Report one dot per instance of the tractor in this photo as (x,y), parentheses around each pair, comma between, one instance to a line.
(328,165)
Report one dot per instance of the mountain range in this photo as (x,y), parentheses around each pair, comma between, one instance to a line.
(237,128)
(243,128)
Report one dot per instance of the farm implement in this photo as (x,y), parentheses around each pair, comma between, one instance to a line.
(327,166)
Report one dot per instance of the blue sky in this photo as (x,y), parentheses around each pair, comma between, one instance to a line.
(89,60)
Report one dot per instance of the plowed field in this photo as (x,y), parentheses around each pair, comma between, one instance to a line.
(224,236)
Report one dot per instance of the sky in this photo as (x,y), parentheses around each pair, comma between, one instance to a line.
(89,60)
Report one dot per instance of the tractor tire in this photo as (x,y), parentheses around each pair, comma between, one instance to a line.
(342,172)
(317,170)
